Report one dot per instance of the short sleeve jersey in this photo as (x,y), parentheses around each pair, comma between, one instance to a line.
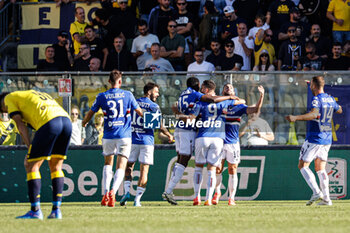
(36,108)
(320,130)
(140,135)
(233,116)
(212,117)
(116,105)
(75,28)
(186,103)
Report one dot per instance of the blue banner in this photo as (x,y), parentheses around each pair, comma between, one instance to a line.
(340,122)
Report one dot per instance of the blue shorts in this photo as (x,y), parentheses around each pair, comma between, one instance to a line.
(51,140)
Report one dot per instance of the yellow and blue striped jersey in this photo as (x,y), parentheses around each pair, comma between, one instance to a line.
(8,133)
(36,108)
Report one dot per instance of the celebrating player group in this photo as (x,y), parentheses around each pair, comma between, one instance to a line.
(126,138)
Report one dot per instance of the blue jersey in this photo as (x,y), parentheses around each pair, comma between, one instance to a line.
(212,122)
(320,130)
(139,134)
(185,104)
(116,105)
(233,116)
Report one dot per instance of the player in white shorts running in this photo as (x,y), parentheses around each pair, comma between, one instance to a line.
(318,140)
(142,143)
(116,105)
(231,150)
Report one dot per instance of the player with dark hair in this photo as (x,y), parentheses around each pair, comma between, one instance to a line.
(116,105)
(185,135)
(143,143)
(53,131)
(231,150)
(318,140)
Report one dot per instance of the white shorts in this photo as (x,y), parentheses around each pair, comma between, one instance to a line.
(177,139)
(208,150)
(232,153)
(186,141)
(143,153)
(121,146)
(311,151)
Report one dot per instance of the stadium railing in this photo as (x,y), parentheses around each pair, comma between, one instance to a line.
(285,92)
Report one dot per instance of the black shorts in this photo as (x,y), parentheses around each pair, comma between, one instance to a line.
(51,140)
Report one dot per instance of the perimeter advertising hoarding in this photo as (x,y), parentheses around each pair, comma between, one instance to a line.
(263,175)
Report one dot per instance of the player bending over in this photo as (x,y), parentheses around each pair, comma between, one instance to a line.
(53,131)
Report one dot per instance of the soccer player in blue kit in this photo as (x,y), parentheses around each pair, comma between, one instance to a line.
(143,143)
(318,140)
(116,105)
(231,150)
(185,135)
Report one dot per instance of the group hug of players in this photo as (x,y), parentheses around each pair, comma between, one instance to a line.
(125,136)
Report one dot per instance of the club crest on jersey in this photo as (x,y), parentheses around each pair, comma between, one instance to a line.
(151,120)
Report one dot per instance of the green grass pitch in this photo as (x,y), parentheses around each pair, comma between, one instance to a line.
(247,216)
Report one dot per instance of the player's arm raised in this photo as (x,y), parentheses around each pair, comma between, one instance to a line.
(22,128)
(257,107)
(305,117)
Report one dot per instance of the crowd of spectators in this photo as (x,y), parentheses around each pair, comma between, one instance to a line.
(259,35)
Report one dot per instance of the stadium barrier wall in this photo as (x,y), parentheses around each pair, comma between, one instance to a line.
(265,173)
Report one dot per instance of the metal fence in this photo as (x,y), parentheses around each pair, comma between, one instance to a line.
(285,92)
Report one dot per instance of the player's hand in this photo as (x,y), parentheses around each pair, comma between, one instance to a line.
(291,118)
(233,97)
(171,138)
(261,90)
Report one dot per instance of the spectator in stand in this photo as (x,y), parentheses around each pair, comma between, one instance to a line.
(109,26)
(172,47)
(209,26)
(231,61)
(145,8)
(156,63)
(337,61)
(302,28)
(200,65)
(63,54)
(95,64)
(82,63)
(159,18)
(127,21)
(346,49)
(49,63)
(323,44)
(113,5)
(94,130)
(247,10)
(243,46)
(278,14)
(264,63)
(339,12)
(77,29)
(259,24)
(185,20)
(229,24)
(218,4)
(263,42)
(141,46)
(258,131)
(120,58)
(311,61)
(290,51)
(97,46)
(78,131)
(216,54)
